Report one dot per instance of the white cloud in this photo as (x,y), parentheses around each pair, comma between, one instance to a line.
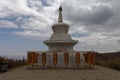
(15,8)
(94,39)
(7,24)
(32,34)
(35,24)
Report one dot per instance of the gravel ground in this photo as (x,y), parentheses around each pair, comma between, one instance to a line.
(99,73)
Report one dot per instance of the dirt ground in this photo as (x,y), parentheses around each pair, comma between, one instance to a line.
(99,73)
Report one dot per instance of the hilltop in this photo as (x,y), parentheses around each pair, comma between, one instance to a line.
(111,60)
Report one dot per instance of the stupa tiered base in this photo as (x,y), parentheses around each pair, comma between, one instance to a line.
(61,59)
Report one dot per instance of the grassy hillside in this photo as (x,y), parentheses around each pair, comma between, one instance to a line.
(13,63)
(111,60)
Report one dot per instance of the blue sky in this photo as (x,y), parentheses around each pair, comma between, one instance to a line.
(24,24)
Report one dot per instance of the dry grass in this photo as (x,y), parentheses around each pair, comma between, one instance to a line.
(111,60)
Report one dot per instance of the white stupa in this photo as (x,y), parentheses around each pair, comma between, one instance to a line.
(60,39)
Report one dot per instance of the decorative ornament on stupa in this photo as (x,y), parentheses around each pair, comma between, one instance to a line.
(60,39)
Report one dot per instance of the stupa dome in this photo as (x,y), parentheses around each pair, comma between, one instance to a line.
(60,27)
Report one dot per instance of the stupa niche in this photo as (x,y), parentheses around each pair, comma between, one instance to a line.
(60,39)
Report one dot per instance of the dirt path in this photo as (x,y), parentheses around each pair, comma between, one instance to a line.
(99,73)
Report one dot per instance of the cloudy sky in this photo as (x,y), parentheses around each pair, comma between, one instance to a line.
(24,24)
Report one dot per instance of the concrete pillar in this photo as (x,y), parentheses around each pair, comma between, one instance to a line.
(39,61)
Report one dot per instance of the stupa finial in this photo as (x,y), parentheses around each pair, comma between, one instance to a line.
(60,14)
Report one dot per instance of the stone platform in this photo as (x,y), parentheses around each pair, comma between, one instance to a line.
(57,67)
(61,59)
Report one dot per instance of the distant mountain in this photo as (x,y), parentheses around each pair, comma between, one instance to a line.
(14,56)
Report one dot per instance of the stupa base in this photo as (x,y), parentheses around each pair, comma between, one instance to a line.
(45,67)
